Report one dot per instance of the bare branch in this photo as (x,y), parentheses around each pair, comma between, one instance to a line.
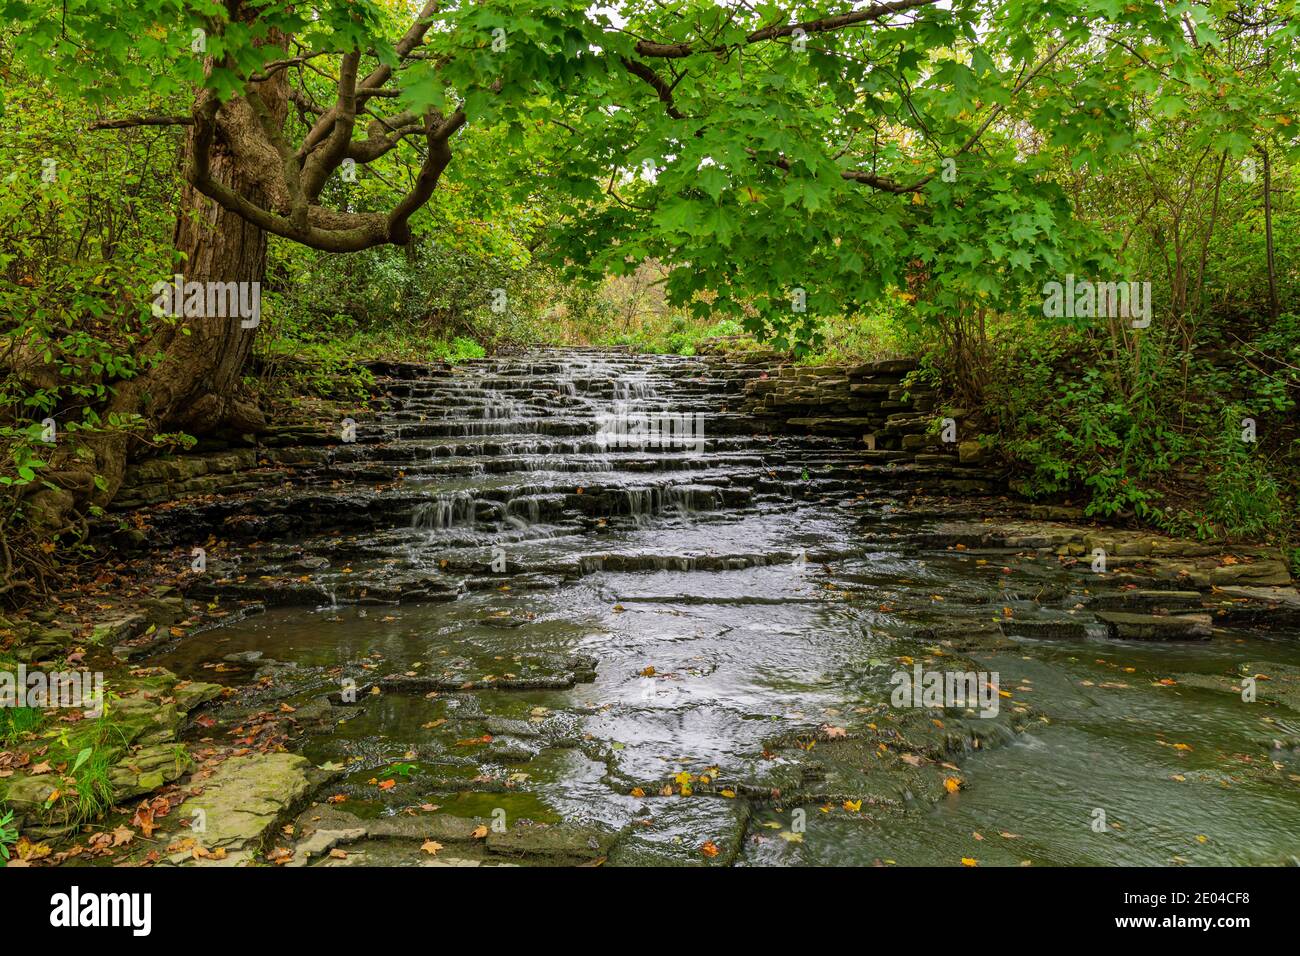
(888,185)
(320,163)
(809,27)
(413,37)
(660,86)
(131,121)
(435,161)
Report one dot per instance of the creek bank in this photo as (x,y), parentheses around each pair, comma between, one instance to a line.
(481,504)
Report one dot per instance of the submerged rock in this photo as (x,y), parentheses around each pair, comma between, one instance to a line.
(521,672)
(1051,629)
(1155,627)
(683,831)
(556,845)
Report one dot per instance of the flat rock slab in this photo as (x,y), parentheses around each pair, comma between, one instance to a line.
(1156,627)
(1274,683)
(118,629)
(675,831)
(553,845)
(1259,573)
(321,842)
(835,426)
(1054,630)
(465,841)
(245,800)
(523,672)
(392,853)
(1259,608)
(1283,596)
(445,828)
(1142,600)
(147,769)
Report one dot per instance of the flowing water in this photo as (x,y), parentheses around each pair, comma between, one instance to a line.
(545,615)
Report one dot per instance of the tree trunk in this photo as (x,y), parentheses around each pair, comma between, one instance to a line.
(196,385)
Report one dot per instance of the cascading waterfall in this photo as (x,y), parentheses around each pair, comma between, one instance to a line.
(688,499)
(633,387)
(641,502)
(507,418)
(526,509)
(447,510)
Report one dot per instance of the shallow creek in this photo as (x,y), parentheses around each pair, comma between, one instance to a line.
(542,625)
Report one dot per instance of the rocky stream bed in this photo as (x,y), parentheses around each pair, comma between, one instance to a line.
(490,631)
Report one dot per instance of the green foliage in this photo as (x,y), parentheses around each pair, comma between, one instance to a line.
(317,356)
(652,175)
(25,450)
(1244,498)
(680,335)
(84,231)
(879,333)
(769,170)
(754,193)
(15,722)
(8,833)
(1162,448)
(90,748)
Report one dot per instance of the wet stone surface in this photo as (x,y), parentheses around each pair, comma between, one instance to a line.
(490,633)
